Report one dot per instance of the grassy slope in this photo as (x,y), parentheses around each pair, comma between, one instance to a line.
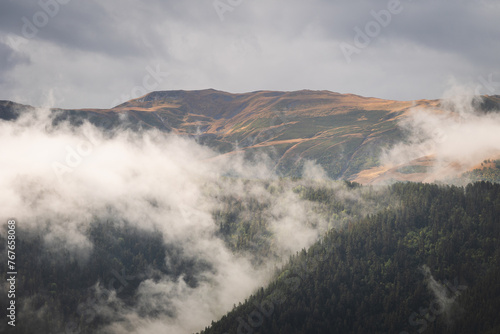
(344,133)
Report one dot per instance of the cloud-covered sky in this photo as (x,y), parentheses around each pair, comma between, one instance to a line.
(96,53)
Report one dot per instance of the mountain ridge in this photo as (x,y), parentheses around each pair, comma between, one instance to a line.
(344,133)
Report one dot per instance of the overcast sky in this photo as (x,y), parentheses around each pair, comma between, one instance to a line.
(88,53)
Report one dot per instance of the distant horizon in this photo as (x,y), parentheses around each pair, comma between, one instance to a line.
(227,92)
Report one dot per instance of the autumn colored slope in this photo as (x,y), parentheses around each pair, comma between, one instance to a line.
(344,133)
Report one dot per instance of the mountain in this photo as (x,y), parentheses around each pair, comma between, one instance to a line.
(141,237)
(11,111)
(344,133)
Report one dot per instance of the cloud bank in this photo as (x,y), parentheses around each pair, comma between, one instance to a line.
(58,181)
(457,135)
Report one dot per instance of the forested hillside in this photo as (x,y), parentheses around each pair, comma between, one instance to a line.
(62,288)
(408,257)
(429,264)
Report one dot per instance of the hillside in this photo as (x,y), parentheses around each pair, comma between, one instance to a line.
(144,229)
(430,264)
(391,259)
(344,133)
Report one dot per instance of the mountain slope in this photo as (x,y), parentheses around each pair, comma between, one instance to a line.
(344,133)
(429,264)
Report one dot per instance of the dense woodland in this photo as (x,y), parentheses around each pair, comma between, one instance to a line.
(372,271)
(60,293)
(377,275)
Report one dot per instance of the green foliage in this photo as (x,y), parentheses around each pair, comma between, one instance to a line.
(369,277)
(245,222)
(413,169)
(62,288)
(491,174)
(364,276)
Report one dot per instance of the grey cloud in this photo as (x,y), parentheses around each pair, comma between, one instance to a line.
(116,28)
(101,47)
(466,28)
(10,58)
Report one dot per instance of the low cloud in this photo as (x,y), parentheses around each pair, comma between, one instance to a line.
(456,136)
(59,180)
(314,171)
(445,295)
